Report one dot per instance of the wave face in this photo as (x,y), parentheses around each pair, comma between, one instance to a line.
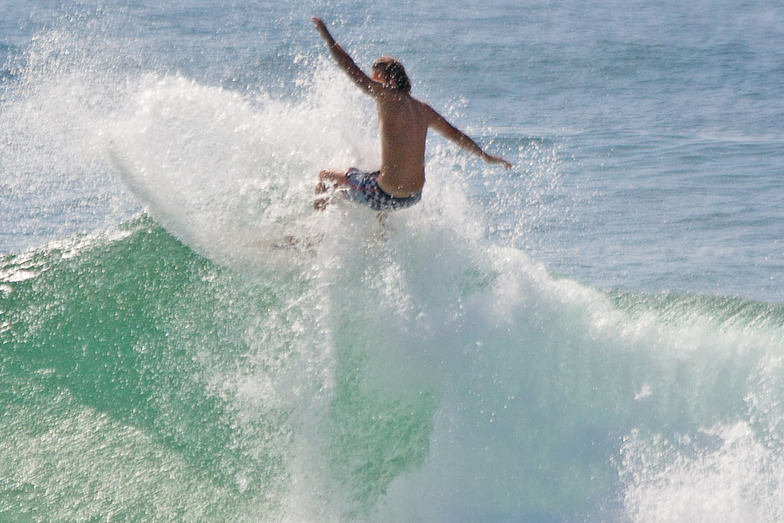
(407,371)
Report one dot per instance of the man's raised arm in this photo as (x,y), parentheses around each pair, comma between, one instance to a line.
(344,60)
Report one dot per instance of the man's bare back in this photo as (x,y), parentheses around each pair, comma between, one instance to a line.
(403,125)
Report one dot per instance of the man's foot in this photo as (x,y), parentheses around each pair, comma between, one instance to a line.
(319,204)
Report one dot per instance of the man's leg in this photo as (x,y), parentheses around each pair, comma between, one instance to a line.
(328,181)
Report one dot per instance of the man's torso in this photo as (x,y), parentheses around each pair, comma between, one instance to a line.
(403,124)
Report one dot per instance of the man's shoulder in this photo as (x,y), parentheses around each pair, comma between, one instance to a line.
(407,99)
(428,111)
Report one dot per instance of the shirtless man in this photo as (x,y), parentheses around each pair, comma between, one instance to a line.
(403,125)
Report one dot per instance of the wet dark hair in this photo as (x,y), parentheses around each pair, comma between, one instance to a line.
(394,70)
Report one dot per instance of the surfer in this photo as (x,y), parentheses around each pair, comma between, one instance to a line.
(403,124)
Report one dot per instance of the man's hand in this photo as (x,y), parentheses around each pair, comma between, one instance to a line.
(497,159)
(321,27)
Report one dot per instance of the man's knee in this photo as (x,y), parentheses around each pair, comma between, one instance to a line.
(333,176)
(330,180)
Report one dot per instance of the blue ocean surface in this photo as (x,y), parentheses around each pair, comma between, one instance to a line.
(595,335)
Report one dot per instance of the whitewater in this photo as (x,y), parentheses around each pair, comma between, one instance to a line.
(168,353)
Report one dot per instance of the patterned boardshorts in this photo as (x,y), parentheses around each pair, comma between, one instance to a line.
(363,188)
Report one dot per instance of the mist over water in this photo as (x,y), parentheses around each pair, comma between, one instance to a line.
(168,353)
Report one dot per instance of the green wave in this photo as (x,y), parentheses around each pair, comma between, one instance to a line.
(111,332)
(140,380)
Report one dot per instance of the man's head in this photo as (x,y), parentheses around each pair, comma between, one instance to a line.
(391,72)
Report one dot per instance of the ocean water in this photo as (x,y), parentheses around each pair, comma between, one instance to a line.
(596,335)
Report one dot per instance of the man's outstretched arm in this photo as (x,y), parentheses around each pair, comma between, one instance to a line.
(449,131)
(345,61)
